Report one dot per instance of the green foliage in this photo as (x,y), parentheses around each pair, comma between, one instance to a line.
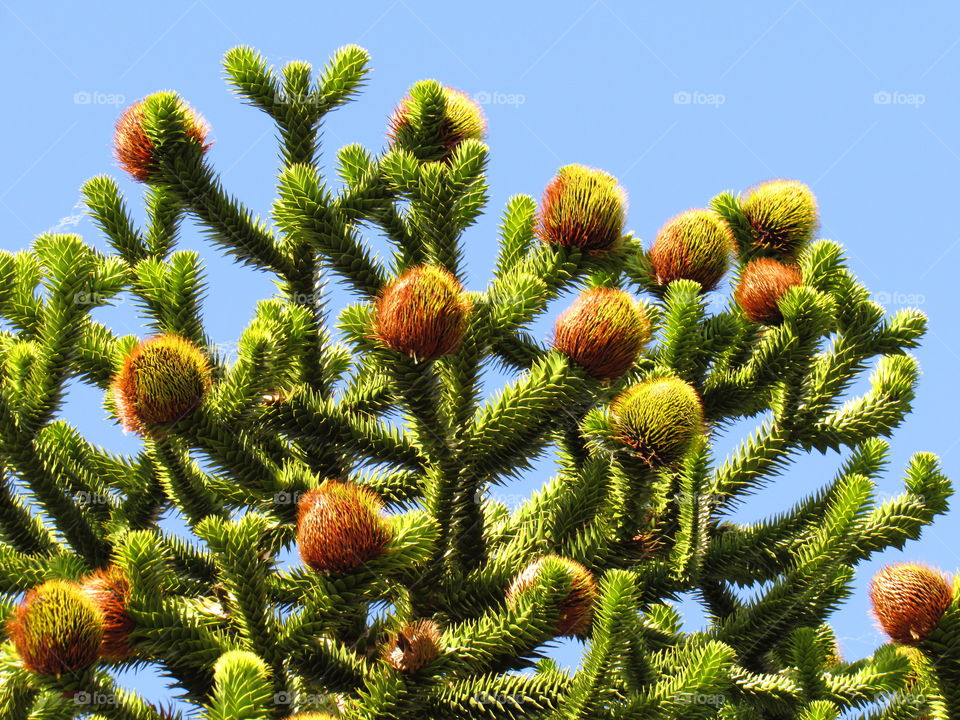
(243,634)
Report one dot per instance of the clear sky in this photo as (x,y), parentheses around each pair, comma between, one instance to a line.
(679,100)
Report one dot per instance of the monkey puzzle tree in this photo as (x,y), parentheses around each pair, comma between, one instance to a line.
(367,445)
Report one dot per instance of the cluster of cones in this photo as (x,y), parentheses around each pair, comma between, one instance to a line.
(424,313)
(63,627)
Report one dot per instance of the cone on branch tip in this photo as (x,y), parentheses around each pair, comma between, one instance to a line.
(413,647)
(463,119)
(782,215)
(424,313)
(576,610)
(658,419)
(603,331)
(162,380)
(109,589)
(695,245)
(763,283)
(136,144)
(340,527)
(909,601)
(57,629)
(583,208)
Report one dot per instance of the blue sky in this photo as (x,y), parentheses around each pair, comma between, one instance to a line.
(680,101)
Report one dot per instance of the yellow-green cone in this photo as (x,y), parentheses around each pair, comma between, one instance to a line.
(695,245)
(161,380)
(782,215)
(410,129)
(658,419)
(57,629)
(582,207)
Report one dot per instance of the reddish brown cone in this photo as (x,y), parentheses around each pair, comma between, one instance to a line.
(909,601)
(133,147)
(576,611)
(414,647)
(763,283)
(110,591)
(584,208)
(695,245)
(423,313)
(56,629)
(339,527)
(603,331)
(163,379)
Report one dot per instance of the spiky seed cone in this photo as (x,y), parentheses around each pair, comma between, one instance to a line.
(134,147)
(658,419)
(782,215)
(339,527)
(109,589)
(414,647)
(576,611)
(423,313)
(463,119)
(763,283)
(603,331)
(909,601)
(57,629)
(695,245)
(584,208)
(163,379)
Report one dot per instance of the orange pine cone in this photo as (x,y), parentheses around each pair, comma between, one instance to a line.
(909,600)
(339,527)
(576,611)
(603,331)
(414,647)
(763,283)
